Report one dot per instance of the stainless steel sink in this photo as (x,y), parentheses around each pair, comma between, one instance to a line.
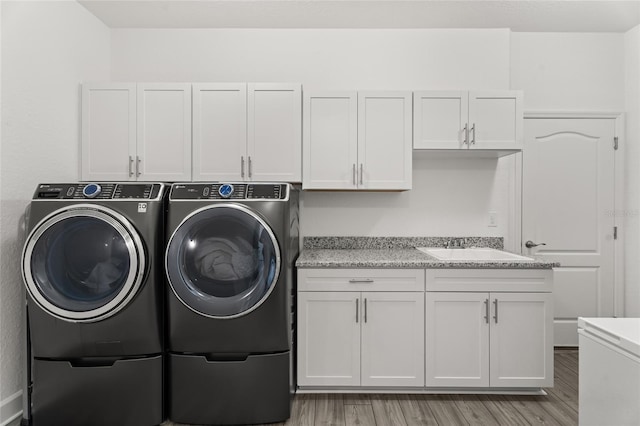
(486,254)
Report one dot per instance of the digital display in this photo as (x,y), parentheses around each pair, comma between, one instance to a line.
(133,191)
(264,191)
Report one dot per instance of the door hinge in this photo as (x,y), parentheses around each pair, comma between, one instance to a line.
(615,143)
(615,232)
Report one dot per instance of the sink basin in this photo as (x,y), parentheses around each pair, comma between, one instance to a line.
(487,254)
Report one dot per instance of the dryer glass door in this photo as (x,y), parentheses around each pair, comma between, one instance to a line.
(223,261)
(83,264)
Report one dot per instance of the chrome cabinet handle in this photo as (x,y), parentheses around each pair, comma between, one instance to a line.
(495,317)
(365,310)
(465,131)
(357,300)
(361,173)
(473,139)
(531,244)
(354,174)
(242,166)
(249,166)
(486,311)
(138,166)
(130,166)
(360,280)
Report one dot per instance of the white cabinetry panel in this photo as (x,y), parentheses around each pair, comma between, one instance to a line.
(457,345)
(330,140)
(164,132)
(328,339)
(393,339)
(274,147)
(219,131)
(108,132)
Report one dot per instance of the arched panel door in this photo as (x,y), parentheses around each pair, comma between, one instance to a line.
(83,263)
(223,261)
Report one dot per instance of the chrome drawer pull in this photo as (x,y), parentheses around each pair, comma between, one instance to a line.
(360,280)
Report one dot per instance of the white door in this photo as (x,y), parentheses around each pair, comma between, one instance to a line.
(219,131)
(330,140)
(568,204)
(392,339)
(521,340)
(457,339)
(274,133)
(164,132)
(495,120)
(440,120)
(384,140)
(108,131)
(329,338)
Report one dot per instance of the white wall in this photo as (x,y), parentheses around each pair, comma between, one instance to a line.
(632,190)
(48,49)
(569,71)
(448,198)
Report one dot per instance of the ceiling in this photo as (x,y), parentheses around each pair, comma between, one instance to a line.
(518,15)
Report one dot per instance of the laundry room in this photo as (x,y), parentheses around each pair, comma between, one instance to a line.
(331,216)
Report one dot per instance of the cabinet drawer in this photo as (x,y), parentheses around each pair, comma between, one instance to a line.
(506,280)
(361,279)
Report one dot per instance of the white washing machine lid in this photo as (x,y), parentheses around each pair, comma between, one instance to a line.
(623,333)
(83,263)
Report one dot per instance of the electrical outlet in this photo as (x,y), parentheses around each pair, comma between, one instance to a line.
(493,219)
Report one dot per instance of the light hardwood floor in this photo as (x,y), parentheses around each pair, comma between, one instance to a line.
(559,407)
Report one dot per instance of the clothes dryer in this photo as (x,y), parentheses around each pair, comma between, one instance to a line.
(229,262)
(92,268)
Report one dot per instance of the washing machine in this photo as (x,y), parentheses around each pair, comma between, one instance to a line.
(229,262)
(92,267)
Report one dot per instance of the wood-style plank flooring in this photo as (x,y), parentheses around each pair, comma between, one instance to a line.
(559,407)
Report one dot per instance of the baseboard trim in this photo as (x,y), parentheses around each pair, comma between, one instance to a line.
(11,409)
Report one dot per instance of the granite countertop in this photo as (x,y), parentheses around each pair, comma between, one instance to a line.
(387,252)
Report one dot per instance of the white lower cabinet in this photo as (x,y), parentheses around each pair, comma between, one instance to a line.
(377,328)
(372,338)
(497,339)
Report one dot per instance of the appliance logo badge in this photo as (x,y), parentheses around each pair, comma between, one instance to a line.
(142,207)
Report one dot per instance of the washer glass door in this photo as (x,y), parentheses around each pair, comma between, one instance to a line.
(83,263)
(223,261)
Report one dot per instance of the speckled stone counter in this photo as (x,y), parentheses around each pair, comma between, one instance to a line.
(390,252)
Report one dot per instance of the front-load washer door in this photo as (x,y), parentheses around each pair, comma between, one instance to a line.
(83,263)
(223,261)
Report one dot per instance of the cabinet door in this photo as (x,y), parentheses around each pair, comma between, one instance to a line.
(384,140)
(330,140)
(329,338)
(440,120)
(457,342)
(274,133)
(495,120)
(108,132)
(392,339)
(521,340)
(164,132)
(219,131)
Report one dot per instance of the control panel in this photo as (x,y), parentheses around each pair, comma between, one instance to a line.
(229,191)
(97,191)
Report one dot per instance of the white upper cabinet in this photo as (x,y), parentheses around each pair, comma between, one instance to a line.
(330,140)
(384,140)
(274,148)
(460,120)
(247,132)
(136,132)
(164,132)
(357,140)
(108,132)
(219,131)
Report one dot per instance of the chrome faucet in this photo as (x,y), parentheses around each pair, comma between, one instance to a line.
(456,243)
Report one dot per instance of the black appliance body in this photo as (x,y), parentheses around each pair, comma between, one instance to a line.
(92,268)
(229,262)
